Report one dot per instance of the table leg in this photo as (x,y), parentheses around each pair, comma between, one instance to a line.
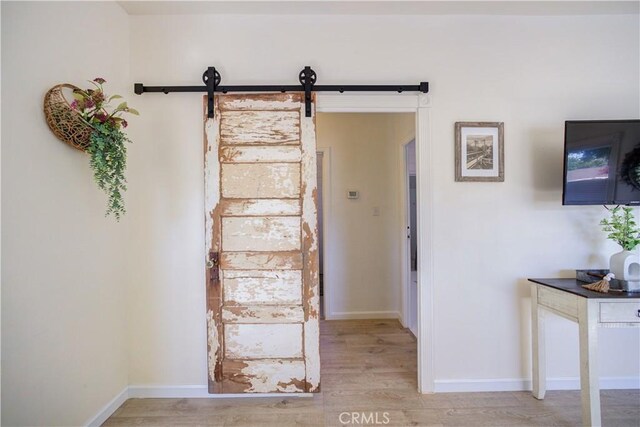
(538,359)
(589,383)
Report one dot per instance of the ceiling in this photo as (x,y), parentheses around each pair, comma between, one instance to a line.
(381,7)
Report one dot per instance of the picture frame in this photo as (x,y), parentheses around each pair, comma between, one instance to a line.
(479,148)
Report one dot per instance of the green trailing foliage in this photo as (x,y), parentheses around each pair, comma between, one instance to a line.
(107,146)
(622,228)
(108,151)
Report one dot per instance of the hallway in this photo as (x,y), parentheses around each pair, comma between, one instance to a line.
(368,371)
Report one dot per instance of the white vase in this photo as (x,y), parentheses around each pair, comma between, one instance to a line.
(626,266)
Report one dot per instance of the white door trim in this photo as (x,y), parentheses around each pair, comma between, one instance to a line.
(403,197)
(405,247)
(420,105)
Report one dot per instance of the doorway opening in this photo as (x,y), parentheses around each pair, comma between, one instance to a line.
(420,107)
(411,244)
(362,228)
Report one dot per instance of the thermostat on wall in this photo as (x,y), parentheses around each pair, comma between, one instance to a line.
(353,194)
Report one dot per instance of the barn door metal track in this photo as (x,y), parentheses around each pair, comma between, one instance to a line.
(307,79)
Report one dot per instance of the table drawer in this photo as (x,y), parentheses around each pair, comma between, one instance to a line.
(562,302)
(620,312)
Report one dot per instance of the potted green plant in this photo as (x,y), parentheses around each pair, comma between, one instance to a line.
(107,145)
(622,229)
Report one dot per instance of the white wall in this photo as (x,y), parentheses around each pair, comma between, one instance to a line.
(532,72)
(362,264)
(68,343)
(64,265)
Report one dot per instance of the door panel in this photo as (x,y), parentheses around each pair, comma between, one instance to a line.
(261,234)
(260,180)
(260,127)
(264,376)
(251,287)
(262,341)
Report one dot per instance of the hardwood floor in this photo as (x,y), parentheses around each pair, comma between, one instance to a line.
(369,371)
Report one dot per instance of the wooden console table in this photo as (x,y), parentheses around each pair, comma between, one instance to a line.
(567,298)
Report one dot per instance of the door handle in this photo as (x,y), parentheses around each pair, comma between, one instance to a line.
(213,267)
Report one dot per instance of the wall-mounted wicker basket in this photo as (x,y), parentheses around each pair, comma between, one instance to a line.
(64,122)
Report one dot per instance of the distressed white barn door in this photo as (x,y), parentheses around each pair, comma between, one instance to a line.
(261,245)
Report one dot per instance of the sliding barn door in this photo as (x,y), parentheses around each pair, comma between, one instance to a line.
(261,245)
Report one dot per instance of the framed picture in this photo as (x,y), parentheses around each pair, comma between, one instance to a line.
(480,151)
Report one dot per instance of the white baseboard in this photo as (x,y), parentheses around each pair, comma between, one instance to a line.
(109,409)
(195,391)
(362,315)
(461,386)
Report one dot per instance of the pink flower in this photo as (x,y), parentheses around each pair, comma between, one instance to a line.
(74,105)
(99,80)
(124,123)
(89,103)
(102,117)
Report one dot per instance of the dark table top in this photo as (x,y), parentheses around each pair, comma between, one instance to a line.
(575,287)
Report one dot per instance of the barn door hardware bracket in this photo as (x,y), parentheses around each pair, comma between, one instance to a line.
(307,78)
(212,79)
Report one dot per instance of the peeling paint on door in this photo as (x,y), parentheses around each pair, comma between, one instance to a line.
(260,180)
(260,154)
(262,341)
(262,301)
(265,376)
(260,127)
(261,207)
(263,314)
(291,260)
(261,233)
(251,287)
(212,342)
(310,294)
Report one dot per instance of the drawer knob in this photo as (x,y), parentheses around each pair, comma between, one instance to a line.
(638,313)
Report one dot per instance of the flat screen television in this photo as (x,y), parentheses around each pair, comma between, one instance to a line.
(601,162)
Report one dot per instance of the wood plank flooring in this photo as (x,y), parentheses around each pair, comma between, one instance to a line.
(369,369)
